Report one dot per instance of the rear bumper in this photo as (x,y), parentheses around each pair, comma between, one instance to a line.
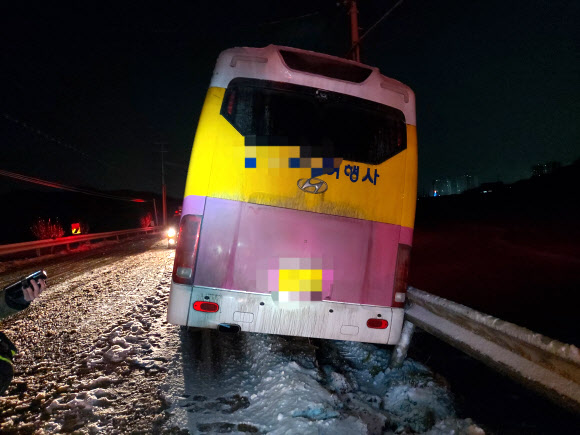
(259,312)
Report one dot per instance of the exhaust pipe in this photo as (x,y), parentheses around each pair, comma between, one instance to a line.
(229,328)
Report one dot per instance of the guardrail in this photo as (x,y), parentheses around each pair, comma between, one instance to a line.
(546,365)
(15,248)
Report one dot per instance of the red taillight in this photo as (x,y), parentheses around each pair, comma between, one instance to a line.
(206,307)
(186,252)
(401,275)
(377,323)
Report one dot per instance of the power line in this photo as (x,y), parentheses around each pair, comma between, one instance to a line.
(373,26)
(65,187)
(381,19)
(326,17)
(285,20)
(57,141)
(89,157)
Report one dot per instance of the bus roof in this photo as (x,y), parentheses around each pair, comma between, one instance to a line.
(321,71)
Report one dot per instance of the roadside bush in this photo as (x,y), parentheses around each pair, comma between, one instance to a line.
(45,229)
(85,228)
(145,221)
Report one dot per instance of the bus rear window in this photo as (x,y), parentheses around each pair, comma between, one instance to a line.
(322,123)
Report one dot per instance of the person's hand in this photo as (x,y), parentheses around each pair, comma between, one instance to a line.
(34,291)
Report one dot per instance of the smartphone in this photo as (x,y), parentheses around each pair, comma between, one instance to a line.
(13,294)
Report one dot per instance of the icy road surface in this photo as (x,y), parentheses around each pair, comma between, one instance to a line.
(97,356)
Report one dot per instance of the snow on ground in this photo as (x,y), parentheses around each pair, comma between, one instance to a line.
(98,357)
(91,354)
(287,385)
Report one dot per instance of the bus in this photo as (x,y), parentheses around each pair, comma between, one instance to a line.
(299,203)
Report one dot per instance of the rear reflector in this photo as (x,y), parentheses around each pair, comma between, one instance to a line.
(400,297)
(206,307)
(401,275)
(186,252)
(377,323)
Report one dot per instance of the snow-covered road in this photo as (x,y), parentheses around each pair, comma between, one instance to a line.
(97,356)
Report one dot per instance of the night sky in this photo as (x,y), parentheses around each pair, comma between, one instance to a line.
(90,93)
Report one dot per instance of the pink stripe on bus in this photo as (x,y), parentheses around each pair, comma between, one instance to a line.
(406,237)
(193,204)
(241,243)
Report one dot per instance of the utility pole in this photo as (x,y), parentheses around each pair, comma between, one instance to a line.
(163,186)
(355,47)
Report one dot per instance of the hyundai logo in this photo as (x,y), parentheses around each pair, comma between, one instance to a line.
(312,185)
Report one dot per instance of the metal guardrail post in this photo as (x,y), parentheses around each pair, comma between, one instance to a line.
(399,352)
